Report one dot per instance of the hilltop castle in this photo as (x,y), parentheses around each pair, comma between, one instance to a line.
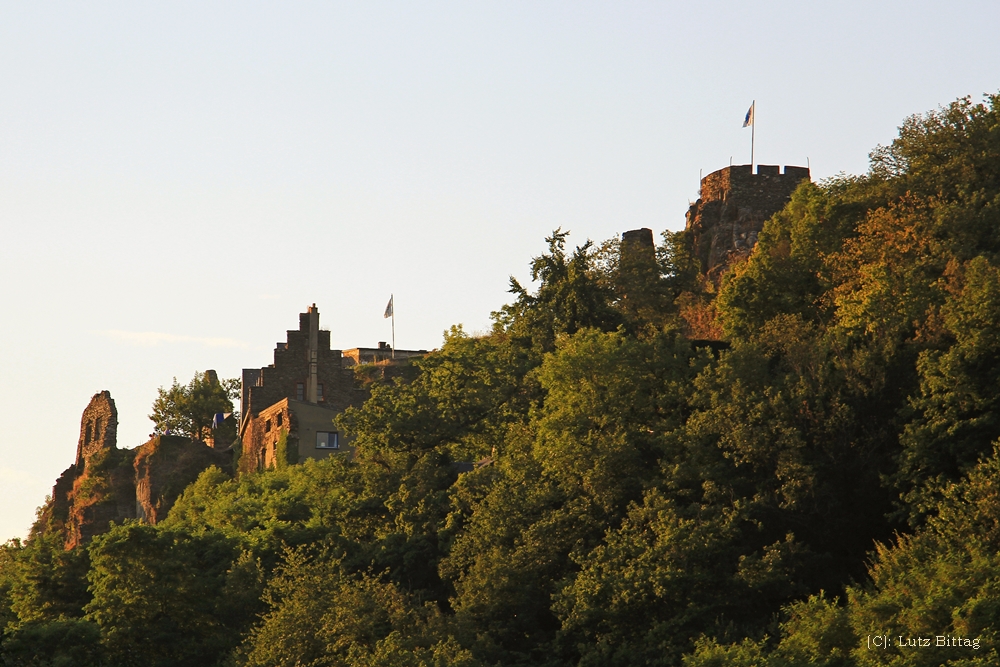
(289,408)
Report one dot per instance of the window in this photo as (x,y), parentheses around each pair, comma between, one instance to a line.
(319,392)
(300,391)
(86,439)
(267,426)
(327,440)
(279,418)
(97,429)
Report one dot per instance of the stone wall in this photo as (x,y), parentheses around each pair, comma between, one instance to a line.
(383,354)
(298,423)
(731,211)
(637,240)
(260,438)
(266,386)
(98,428)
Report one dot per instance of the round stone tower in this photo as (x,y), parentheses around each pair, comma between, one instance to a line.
(733,205)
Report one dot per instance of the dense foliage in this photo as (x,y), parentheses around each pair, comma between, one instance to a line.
(825,473)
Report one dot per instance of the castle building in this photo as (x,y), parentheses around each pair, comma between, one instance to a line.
(289,407)
(733,205)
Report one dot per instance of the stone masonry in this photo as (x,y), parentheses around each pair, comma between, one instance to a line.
(731,211)
(98,428)
(293,365)
(303,390)
(637,241)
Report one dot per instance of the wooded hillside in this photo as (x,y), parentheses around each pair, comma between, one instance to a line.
(643,496)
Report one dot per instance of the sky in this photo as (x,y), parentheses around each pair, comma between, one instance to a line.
(179,180)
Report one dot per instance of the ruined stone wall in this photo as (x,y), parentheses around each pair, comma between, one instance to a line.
(107,484)
(731,211)
(637,240)
(98,428)
(261,435)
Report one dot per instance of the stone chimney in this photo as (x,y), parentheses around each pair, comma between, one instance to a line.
(312,381)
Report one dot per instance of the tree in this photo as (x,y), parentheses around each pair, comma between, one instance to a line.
(957,410)
(571,296)
(188,410)
(321,615)
(164,598)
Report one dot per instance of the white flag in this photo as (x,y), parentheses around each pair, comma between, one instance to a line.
(388,309)
(748,121)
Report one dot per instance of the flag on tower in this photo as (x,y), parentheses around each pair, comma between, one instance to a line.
(388,309)
(748,121)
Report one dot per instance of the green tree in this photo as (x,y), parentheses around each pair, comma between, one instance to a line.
(69,642)
(957,410)
(661,578)
(319,614)
(188,410)
(161,598)
(46,582)
(572,295)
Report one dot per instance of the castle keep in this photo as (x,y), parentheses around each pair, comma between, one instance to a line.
(731,210)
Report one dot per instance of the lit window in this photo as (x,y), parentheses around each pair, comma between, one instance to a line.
(327,440)
(300,391)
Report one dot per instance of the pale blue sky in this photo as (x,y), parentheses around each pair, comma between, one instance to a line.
(179,180)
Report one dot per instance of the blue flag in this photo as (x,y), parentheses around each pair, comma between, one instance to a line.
(748,121)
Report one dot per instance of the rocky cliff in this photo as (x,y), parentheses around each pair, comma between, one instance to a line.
(108,484)
(164,467)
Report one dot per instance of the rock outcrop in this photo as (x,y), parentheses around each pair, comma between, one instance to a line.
(164,467)
(106,484)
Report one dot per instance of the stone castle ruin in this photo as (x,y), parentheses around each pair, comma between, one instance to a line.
(107,484)
(98,428)
(289,408)
(731,210)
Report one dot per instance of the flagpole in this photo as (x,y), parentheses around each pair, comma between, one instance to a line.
(753,130)
(392,300)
